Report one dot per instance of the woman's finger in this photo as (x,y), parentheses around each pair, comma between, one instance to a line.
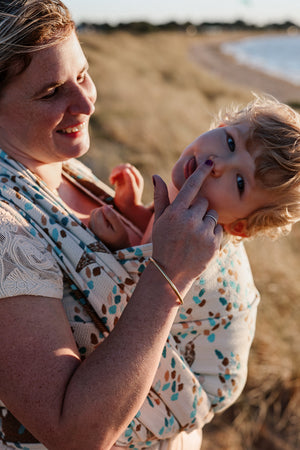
(219,233)
(161,196)
(193,184)
(211,216)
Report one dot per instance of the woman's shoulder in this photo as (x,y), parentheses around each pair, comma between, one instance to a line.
(27,266)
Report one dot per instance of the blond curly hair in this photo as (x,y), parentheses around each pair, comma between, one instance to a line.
(275,127)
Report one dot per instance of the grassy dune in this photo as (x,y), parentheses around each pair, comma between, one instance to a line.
(155,95)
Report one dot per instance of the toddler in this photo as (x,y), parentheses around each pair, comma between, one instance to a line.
(253,188)
(254,185)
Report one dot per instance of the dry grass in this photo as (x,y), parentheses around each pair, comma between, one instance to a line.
(154,100)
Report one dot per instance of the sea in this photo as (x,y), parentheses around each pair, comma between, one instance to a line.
(277,55)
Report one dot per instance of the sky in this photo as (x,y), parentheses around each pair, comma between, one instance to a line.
(196,11)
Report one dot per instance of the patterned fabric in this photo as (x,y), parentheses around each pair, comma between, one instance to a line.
(204,363)
(25,262)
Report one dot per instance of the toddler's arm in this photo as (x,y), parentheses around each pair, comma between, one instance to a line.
(129,185)
(108,227)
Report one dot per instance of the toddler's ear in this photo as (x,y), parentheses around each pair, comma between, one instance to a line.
(237,228)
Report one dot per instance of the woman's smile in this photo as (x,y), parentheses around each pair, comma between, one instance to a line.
(74,130)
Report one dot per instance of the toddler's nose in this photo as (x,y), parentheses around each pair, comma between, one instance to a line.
(221,164)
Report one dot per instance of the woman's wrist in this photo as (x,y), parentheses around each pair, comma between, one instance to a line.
(172,285)
(178,272)
(175,287)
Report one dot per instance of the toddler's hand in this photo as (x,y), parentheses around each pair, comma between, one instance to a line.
(108,227)
(129,185)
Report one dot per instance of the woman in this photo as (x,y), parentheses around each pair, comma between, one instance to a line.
(55,273)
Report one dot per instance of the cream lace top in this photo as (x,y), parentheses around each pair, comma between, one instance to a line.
(26,266)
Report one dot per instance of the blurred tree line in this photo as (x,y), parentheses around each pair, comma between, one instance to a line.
(146,27)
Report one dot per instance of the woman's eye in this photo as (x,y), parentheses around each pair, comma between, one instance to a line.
(50,94)
(231,143)
(240,184)
(82,77)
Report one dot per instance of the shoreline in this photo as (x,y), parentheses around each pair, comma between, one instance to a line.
(208,54)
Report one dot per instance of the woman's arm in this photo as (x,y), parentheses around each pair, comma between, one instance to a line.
(74,405)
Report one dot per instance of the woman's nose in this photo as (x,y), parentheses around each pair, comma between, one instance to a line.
(83,101)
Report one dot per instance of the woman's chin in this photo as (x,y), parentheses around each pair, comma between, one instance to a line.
(79,150)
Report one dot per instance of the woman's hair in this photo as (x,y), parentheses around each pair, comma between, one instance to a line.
(275,129)
(27,26)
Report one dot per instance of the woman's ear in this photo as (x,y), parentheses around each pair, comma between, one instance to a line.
(237,228)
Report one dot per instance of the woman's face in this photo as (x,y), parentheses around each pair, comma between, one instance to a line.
(45,111)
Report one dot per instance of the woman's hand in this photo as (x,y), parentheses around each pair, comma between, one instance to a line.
(184,238)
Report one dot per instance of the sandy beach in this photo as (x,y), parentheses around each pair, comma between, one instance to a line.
(209,56)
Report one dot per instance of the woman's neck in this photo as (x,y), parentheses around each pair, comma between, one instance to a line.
(51,174)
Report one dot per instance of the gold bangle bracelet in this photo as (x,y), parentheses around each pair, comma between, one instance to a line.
(168,280)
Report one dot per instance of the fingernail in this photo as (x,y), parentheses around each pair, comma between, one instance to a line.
(209,162)
(153,181)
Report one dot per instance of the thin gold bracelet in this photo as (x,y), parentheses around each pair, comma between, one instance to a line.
(168,280)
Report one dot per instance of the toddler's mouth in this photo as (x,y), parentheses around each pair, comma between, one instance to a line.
(190,167)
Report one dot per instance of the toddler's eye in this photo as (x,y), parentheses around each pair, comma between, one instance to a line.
(231,143)
(240,184)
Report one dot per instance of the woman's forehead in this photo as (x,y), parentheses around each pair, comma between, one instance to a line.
(53,64)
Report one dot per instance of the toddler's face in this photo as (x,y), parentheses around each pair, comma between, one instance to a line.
(231,187)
